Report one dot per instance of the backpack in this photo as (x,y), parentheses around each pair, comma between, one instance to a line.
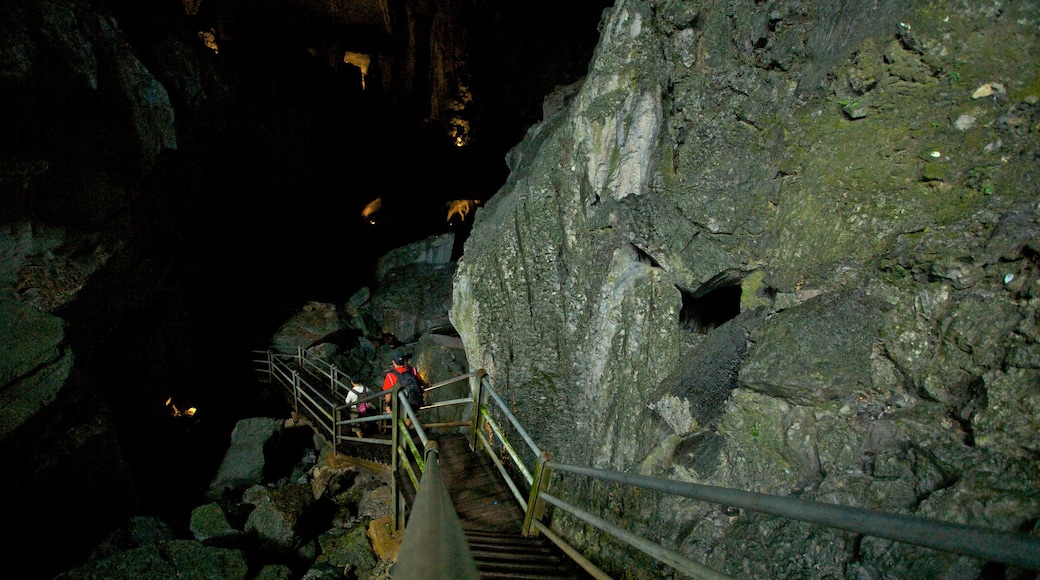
(355,393)
(413,391)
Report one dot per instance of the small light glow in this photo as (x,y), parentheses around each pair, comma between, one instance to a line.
(360,60)
(189,412)
(209,38)
(371,209)
(459,131)
(461,208)
(458,127)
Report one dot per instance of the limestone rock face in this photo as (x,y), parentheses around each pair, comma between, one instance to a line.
(778,200)
(276,516)
(167,559)
(208,521)
(35,365)
(244,462)
(97,58)
(314,322)
(413,292)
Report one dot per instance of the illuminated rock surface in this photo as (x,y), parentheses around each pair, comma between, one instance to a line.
(796,171)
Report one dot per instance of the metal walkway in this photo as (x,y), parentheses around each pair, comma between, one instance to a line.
(489,494)
(492,521)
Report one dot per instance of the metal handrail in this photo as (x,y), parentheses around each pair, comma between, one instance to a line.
(1020,550)
(452,381)
(512,418)
(668,556)
(434,545)
(1016,549)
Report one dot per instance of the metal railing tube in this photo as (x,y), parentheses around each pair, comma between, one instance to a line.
(317,393)
(668,556)
(505,474)
(296,390)
(434,545)
(451,381)
(575,555)
(415,420)
(512,418)
(508,447)
(408,469)
(416,454)
(337,432)
(371,419)
(448,403)
(1019,550)
(448,424)
(395,464)
(478,404)
(365,440)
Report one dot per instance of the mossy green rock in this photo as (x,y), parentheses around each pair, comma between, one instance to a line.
(168,559)
(816,351)
(708,164)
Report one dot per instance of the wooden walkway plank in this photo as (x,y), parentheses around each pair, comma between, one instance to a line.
(481,497)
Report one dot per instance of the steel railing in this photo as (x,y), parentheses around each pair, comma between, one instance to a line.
(529,472)
(301,374)
(1016,549)
(434,545)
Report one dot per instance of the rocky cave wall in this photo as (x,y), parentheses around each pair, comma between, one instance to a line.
(784,247)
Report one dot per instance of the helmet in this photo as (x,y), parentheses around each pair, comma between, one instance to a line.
(399,358)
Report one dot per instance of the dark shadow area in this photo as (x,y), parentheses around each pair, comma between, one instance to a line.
(702,314)
(256,212)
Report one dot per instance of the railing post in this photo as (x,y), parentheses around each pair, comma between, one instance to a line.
(535,504)
(296,390)
(270,366)
(299,356)
(478,400)
(398,519)
(337,416)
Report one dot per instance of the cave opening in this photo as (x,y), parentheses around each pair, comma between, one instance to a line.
(705,312)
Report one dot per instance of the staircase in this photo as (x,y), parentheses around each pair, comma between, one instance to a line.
(500,555)
(492,520)
(488,512)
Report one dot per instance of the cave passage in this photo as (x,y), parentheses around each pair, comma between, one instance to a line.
(289,124)
(704,313)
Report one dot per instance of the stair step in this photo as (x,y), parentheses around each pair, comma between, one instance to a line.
(503,536)
(540,568)
(489,575)
(513,543)
(516,559)
(513,556)
(523,576)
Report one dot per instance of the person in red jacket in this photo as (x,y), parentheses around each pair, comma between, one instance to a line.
(400,362)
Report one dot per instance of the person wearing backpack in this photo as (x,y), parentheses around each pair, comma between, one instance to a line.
(357,391)
(411,382)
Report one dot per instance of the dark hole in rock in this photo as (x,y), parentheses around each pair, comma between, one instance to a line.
(702,314)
